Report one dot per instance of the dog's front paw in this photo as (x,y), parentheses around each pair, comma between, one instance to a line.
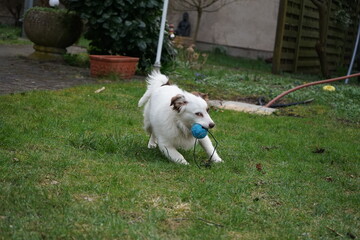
(216,159)
(181,161)
(152,145)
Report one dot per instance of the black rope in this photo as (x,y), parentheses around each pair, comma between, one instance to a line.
(195,155)
(208,163)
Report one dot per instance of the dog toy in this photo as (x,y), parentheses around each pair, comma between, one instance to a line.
(198,131)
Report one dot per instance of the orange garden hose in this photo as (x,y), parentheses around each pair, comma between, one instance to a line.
(310,84)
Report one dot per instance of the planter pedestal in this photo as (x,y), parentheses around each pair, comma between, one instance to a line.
(47,53)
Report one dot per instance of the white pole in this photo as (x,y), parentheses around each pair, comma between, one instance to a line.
(27,4)
(354,55)
(157,64)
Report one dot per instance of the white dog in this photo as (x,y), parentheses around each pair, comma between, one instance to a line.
(169,114)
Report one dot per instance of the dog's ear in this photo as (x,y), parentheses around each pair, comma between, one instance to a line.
(204,96)
(168,83)
(178,101)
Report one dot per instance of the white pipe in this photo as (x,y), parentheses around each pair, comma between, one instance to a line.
(354,55)
(27,4)
(157,64)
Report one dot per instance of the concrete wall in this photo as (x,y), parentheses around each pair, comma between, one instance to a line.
(244,28)
(5,16)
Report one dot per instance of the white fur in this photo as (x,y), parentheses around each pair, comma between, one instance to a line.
(169,125)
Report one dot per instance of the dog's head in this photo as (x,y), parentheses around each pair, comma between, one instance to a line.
(192,109)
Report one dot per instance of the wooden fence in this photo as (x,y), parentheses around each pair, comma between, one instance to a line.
(298,32)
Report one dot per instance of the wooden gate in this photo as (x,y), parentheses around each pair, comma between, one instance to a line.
(298,32)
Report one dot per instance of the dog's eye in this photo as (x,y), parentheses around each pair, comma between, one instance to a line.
(199,114)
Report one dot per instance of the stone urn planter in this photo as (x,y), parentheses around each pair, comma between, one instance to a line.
(51,31)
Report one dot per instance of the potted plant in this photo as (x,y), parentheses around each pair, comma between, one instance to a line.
(122,66)
(126,28)
(51,30)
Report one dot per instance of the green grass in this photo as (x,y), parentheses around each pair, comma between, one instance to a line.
(11,35)
(230,78)
(222,59)
(78,60)
(74,164)
(83,42)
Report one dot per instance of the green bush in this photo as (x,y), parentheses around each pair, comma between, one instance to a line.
(77,60)
(125,27)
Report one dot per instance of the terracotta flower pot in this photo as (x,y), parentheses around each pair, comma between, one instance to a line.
(123,66)
(51,30)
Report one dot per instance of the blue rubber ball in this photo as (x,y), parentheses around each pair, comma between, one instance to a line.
(198,131)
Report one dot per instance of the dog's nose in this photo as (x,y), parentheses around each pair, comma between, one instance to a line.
(211,125)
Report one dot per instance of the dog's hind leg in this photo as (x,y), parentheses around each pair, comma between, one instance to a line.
(172,154)
(209,149)
(152,141)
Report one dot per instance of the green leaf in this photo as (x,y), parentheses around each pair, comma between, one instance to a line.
(142,45)
(106,25)
(142,24)
(117,20)
(114,35)
(99,11)
(106,16)
(107,3)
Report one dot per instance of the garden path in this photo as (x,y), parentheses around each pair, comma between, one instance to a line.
(20,74)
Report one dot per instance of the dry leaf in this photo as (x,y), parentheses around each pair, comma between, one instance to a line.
(329,179)
(319,150)
(100,90)
(259,167)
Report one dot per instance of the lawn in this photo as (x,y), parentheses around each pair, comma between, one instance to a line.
(74,163)
(10,35)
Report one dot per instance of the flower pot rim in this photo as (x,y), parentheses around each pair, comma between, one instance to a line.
(113,58)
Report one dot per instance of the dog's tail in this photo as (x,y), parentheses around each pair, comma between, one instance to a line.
(154,81)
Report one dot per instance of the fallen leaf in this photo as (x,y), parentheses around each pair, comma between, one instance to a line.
(259,167)
(329,179)
(90,199)
(54,182)
(259,183)
(268,148)
(319,150)
(100,90)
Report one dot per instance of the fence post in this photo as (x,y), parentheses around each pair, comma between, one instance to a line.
(299,34)
(276,62)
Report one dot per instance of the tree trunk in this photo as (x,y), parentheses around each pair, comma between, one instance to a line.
(199,15)
(15,10)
